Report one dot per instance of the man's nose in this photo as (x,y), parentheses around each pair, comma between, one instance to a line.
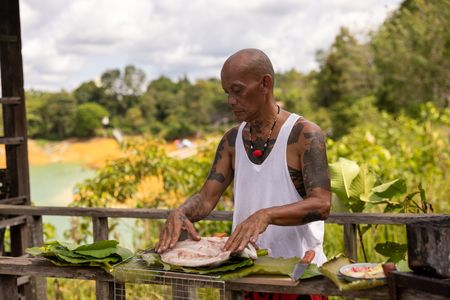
(232,100)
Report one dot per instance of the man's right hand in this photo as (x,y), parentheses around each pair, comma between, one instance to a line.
(176,221)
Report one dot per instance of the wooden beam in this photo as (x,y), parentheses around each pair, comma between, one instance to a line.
(8,38)
(14,201)
(41,267)
(10,100)
(147,213)
(11,140)
(13,221)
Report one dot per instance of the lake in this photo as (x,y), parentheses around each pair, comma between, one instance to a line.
(53,185)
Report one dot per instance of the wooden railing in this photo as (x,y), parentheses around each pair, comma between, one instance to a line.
(100,217)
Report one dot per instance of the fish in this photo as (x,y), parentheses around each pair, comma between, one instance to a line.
(208,251)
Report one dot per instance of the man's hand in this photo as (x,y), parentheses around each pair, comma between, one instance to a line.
(176,221)
(248,231)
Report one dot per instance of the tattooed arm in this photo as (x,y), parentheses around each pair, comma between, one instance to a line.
(201,204)
(315,179)
(307,147)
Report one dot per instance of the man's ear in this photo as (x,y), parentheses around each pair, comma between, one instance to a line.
(267,83)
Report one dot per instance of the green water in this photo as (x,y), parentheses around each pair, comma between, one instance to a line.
(53,185)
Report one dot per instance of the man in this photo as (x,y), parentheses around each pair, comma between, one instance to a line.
(279,165)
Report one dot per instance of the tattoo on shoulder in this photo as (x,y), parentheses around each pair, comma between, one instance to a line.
(296,131)
(315,163)
(231,137)
(213,174)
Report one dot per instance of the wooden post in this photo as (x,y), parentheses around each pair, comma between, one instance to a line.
(103,289)
(37,239)
(8,287)
(350,245)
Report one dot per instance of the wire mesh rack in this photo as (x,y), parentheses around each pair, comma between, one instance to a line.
(133,279)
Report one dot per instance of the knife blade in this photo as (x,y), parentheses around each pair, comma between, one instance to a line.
(301,266)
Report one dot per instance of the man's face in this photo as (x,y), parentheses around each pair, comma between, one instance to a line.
(245,93)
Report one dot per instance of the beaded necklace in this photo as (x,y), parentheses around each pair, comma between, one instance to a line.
(259,152)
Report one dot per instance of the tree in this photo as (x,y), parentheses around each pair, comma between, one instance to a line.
(412,51)
(88,119)
(347,71)
(59,114)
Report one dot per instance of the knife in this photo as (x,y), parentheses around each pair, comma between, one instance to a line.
(300,267)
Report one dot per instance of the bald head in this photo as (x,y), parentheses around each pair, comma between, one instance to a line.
(250,61)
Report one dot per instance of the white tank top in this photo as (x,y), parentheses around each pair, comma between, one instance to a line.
(269,184)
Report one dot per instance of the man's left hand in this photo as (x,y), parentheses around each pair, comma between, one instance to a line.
(248,231)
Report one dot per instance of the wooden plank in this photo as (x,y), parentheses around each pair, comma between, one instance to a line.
(321,286)
(267,280)
(146,213)
(429,285)
(14,200)
(10,100)
(13,221)
(350,241)
(8,288)
(8,38)
(11,140)
(42,267)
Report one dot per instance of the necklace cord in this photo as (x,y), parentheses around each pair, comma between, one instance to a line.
(258,153)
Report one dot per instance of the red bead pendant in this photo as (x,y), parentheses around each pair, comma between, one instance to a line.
(257,153)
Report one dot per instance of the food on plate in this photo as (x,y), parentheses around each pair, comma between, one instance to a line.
(208,251)
(363,271)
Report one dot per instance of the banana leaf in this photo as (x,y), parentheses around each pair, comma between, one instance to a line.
(330,269)
(272,266)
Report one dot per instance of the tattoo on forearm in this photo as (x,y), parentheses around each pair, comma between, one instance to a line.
(311,217)
(295,133)
(213,174)
(194,208)
(297,180)
(315,164)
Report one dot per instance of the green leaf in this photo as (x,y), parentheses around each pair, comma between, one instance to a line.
(98,249)
(124,253)
(394,251)
(342,173)
(35,251)
(272,266)
(390,189)
(232,264)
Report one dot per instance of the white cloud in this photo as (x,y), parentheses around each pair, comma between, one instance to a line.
(66,42)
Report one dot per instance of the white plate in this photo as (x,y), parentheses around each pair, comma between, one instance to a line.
(350,273)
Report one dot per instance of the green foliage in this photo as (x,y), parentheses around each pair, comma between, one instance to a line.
(101,253)
(394,251)
(412,51)
(88,119)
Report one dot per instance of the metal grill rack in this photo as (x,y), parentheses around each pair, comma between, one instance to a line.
(133,279)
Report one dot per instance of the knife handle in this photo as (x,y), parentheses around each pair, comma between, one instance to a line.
(308,257)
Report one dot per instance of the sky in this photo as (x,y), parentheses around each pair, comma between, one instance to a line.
(67,42)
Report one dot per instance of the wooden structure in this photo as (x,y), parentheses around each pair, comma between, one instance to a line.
(15,188)
(24,277)
(11,267)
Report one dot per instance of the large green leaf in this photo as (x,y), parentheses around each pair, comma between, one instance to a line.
(391,188)
(272,266)
(98,249)
(394,251)
(232,264)
(342,173)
